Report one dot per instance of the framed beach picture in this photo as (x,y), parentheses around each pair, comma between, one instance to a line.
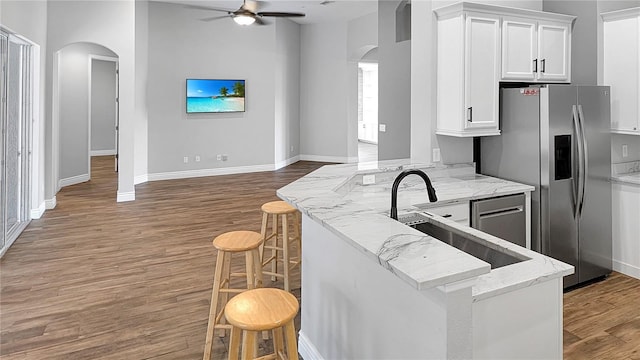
(215,96)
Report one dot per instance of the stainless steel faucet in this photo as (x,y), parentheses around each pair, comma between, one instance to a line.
(394,190)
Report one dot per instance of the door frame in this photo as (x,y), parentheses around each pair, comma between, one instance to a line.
(89,119)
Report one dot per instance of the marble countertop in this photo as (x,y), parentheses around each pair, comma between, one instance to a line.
(627,172)
(353,202)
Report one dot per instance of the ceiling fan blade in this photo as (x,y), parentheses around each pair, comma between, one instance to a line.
(215,18)
(251,5)
(279,14)
(260,21)
(198,7)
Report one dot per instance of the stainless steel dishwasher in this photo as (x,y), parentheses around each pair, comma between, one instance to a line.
(503,217)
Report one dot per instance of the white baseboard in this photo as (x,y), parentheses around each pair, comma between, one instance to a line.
(50,203)
(140,179)
(209,172)
(38,212)
(289,161)
(126,196)
(103,152)
(73,180)
(329,159)
(627,269)
(306,348)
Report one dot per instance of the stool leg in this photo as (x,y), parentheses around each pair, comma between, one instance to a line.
(226,279)
(257,267)
(278,342)
(285,250)
(263,232)
(296,228)
(274,251)
(292,341)
(234,343)
(214,304)
(250,269)
(248,345)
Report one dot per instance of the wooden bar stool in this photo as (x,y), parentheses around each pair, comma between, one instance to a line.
(280,253)
(265,309)
(227,244)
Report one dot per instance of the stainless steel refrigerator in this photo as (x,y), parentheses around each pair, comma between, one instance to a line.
(557,139)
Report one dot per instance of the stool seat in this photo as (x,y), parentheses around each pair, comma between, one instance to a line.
(278,208)
(236,241)
(261,309)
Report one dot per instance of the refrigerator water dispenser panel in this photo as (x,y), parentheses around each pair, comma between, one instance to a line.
(562,146)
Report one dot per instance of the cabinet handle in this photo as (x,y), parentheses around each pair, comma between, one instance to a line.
(447,215)
(542,62)
(535,65)
(470,114)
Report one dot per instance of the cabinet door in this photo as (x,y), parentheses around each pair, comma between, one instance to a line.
(482,34)
(553,52)
(519,47)
(621,71)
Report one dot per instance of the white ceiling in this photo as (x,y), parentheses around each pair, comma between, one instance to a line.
(313,9)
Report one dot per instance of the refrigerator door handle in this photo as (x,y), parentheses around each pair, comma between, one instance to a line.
(584,158)
(577,181)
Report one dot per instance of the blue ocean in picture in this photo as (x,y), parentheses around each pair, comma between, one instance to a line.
(215,95)
(209,104)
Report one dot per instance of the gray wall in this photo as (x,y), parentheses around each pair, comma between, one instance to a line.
(74,108)
(182,46)
(103,109)
(394,86)
(287,94)
(323,98)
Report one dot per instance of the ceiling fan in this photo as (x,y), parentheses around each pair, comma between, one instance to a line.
(247,14)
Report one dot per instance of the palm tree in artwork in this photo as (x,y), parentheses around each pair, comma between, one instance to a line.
(238,89)
(224,91)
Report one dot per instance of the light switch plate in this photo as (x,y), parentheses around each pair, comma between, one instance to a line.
(382,127)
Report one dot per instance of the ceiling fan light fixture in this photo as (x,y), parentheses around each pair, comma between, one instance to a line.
(244,19)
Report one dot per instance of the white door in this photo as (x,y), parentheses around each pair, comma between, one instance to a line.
(519,47)
(16,101)
(553,52)
(482,71)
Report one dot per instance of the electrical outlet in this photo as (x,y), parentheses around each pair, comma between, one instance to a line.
(436,155)
(382,127)
(368,179)
(291,148)
(197,158)
(185,159)
(625,150)
(225,157)
(218,157)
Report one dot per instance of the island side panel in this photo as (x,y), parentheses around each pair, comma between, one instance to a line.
(353,308)
(523,324)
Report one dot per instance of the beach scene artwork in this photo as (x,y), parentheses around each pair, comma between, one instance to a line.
(214,96)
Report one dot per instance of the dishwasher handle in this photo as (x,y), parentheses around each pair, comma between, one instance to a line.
(500,212)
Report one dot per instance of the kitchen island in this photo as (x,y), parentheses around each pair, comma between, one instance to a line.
(375,288)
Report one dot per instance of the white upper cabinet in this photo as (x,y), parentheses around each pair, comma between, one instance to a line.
(480,45)
(536,50)
(621,68)
(468,72)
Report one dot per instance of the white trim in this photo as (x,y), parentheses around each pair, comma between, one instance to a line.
(73,180)
(50,203)
(627,269)
(287,162)
(307,349)
(209,172)
(330,159)
(140,179)
(103,152)
(7,245)
(39,211)
(126,196)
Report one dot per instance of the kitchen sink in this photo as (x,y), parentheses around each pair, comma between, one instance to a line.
(460,240)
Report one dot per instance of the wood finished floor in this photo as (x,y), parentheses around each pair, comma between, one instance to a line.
(96,279)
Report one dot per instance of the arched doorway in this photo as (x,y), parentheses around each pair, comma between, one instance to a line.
(85,118)
(368,107)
